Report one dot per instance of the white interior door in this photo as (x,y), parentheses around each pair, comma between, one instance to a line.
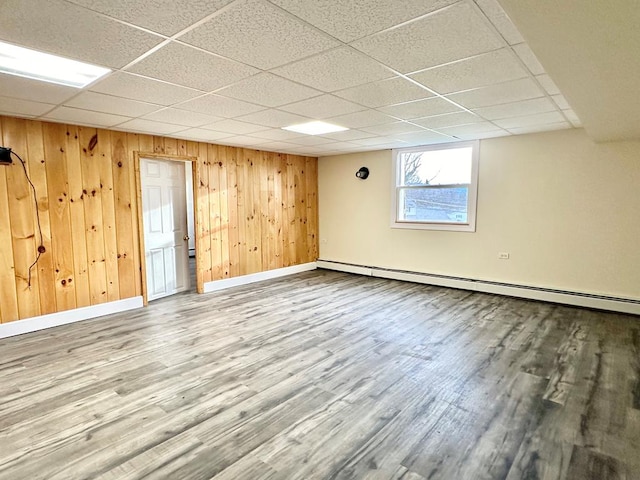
(164,215)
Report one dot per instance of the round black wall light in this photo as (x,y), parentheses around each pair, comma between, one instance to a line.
(363,173)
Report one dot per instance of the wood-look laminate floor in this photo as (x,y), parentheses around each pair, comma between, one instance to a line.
(325,375)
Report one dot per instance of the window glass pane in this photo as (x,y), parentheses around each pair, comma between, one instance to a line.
(440,205)
(436,167)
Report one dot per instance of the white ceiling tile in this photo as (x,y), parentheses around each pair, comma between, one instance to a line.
(500,20)
(273,118)
(348,135)
(219,106)
(451,34)
(341,146)
(516,109)
(16,106)
(243,140)
(85,117)
(447,120)
(421,108)
(493,67)
(548,84)
(181,117)
(424,138)
(99,102)
(530,120)
(365,118)
(572,117)
(470,129)
(335,69)
(393,128)
(322,107)
(56,26)
(540,128)
(373,141)
(26,89)
(278,146)
(482,135)
(349,19)
(144,89)
(169,16)
(384,92)
(561,102)
(508,92)
(275,134)
(310,140)
(278,38)
(529,58)
(201,135)
(269,90)
(234,127)
(147,126)
(189,67)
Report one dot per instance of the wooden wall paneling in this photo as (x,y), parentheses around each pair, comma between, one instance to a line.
(203,213)
(243,215)
(125,233)
(271,234)
(90,165)
(182,148)
(22,214)
(291,207)
(192,150)
(223,153)
(145,143)
(107,195)
(311,178)
(284,209)
(133,143)
(300,186)
(278,247)
(255,211)
(232,207)
(75,188)
(63,243)
(38,173)
(8,295)
(171,146)
(254,257)
(214,211)
(158,144)
(265,232)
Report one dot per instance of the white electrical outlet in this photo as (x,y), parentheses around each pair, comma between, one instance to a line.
(503,255)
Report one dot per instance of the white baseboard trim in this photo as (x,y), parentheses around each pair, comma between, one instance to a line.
(578,299)
(257,277)
(70,316)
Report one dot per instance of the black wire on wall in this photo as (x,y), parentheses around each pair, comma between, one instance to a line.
(41,248)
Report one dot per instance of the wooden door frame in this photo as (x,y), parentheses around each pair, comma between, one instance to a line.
(195,174)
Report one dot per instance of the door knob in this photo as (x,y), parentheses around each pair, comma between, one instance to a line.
(186,237)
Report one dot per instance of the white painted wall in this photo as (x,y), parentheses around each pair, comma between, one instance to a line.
(566,209)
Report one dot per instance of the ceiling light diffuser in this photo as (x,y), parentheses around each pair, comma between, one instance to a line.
(315,128)
(28,63)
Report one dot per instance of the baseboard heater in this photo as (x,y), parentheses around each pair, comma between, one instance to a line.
(580,299)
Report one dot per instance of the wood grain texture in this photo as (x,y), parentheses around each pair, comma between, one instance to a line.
(326,375)
(88,199)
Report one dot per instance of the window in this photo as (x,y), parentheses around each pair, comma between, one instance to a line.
(435,187)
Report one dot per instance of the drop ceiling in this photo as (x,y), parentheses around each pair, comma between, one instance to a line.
(235,72)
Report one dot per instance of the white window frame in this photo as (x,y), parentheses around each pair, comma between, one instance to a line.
(472,198)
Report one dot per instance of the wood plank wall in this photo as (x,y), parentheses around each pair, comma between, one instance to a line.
(257,211)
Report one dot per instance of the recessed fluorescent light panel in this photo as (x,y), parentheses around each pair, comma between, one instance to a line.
(315,128)
(27,63)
